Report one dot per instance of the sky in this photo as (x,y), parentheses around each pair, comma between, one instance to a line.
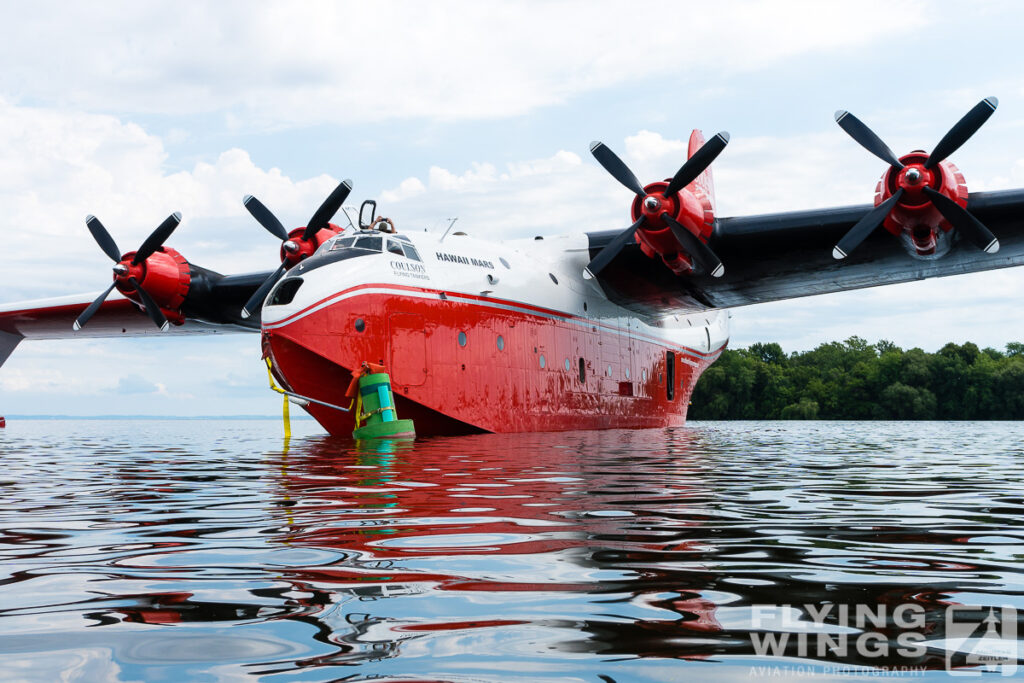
(478,110)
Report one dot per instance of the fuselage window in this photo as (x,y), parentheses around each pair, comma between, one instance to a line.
(462,338)
(670,366)
(568,365)
(501,343)
(284,292)
(583,371)
(543,361)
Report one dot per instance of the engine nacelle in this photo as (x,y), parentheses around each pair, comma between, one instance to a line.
(296,249)
(165,276)
(690,206)
(922,229)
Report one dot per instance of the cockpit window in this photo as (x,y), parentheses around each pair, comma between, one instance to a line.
(342,242)
(410,251)
(368,242)
(395,248)
(400,237)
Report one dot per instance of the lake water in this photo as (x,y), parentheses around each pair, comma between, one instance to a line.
(213,550)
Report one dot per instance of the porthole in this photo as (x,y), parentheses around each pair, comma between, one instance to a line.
(360,325)
(462,338)
(543,361)
(553,278)
(568,365)
(501,343)
(584,305)
(504,263)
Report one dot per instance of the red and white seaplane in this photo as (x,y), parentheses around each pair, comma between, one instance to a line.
(605,329)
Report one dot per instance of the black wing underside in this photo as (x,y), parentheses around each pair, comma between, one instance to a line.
(772,257)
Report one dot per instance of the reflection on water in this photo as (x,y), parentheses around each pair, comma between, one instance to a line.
(206,550)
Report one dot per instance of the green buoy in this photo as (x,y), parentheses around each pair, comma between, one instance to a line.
(375,406)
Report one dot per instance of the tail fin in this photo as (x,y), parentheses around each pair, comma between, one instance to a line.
(704,180)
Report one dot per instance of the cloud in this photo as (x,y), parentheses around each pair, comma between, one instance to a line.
(56,167)
(274,64)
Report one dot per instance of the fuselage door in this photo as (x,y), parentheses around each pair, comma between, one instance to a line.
(408,349)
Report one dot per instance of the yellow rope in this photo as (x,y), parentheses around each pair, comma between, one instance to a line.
(286,413)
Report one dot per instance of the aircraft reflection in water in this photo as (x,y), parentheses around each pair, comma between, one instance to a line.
(566,541)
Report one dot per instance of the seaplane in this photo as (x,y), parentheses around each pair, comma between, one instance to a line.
(602,329)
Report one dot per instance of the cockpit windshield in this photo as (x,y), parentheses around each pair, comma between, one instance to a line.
(394,244)
(366,242)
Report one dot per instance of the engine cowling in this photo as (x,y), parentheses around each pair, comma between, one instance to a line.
(297,248)
(165,276)
(672,219)
(690,208)
(915,219)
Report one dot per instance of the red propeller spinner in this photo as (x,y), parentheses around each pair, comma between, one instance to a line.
(298,244)
(920,195)
(155,276)
(669,216)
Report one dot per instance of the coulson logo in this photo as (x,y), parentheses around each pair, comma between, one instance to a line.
(407,269)
(465,260)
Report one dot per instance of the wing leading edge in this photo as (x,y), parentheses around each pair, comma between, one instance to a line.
(772,257)
(212,307)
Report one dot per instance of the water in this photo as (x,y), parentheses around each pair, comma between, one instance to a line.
(211,550)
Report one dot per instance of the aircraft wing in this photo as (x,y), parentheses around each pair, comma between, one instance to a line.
(211,308)
(772,257)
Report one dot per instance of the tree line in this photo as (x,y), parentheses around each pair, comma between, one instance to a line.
(855,380)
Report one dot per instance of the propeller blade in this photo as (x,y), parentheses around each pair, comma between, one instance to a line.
(866,138)
(264,217)
(256,300)
(962,131)
(695,247)
(606,255)
(103,238)
(157,238)
(152,310)
(696,164)
(82,319)
(962,220)
(864,227)
(614,165)
(327,210)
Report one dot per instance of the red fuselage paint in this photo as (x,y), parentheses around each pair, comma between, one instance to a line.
(474,345)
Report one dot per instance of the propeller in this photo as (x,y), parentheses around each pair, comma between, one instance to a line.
(969,226)
(122,269)
(320,220)
(686,174)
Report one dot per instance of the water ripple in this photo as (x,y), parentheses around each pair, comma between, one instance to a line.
(210,550)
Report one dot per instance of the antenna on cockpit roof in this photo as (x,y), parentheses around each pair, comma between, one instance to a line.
(449,228)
